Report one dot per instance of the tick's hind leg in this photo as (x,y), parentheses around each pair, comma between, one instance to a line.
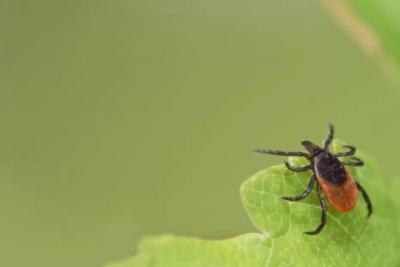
(306,192)
(366,198)
(350,152)
(298,169)
(323,215)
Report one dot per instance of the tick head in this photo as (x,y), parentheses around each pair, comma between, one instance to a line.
(312,148)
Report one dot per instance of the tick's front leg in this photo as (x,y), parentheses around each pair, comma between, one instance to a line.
(298,169)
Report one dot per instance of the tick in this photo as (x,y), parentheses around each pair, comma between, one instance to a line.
(334,181)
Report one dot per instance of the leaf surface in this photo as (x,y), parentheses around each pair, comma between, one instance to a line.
(349,239)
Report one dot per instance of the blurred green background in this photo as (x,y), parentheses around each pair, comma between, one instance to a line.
(124,118)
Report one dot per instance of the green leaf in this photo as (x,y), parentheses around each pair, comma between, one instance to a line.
(349,239)
(245,250)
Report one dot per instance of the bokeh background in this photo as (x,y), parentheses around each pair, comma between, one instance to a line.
(124,118)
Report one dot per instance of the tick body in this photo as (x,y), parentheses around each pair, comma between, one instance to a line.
(336,182)
(333,180)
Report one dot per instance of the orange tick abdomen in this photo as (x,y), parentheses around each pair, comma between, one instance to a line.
(341,197)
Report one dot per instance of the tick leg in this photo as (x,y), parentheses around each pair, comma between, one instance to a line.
(351,152)
(329,138)
(297,169)
(282,153)
(323,215)
(353,161)
(306,192)
(366,198)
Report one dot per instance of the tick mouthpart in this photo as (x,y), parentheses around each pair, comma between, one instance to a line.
(311,147)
